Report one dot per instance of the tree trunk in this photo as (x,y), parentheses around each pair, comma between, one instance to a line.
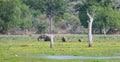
(51,31)
(26,31)
(90,41)
(104,31)
(51,24)
(100,30)
(51,42)
(90,34)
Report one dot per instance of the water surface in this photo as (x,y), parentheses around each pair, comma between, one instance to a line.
(75,57)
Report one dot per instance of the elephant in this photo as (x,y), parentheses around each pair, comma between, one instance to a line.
(64,39)
(45,37)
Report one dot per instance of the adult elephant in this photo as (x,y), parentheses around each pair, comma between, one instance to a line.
(45,37)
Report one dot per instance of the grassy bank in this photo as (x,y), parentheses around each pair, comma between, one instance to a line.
(16,48)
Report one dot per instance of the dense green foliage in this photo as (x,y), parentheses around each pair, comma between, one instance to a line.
(41,27)
(9,14)
(14,14)
(22,14)
(50,7)
(106,15)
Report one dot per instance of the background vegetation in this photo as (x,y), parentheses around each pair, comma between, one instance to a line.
(58,16)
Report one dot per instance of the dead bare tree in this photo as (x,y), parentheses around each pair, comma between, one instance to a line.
(90,21)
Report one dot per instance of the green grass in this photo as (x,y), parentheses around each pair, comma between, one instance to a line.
(15,48)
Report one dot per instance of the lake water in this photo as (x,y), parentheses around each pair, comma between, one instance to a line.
(62,57)
(75,57)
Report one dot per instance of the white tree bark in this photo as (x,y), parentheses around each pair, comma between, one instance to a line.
(104,31)
(90,41)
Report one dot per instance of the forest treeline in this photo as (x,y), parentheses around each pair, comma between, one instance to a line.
(58,16)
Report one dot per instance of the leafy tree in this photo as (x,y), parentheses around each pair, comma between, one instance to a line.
(9,14)
(107,16)
(50,7)
(26,18)
(13,13)
(41,27)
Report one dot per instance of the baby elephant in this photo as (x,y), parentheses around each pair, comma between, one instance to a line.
(79,40)
(64,39)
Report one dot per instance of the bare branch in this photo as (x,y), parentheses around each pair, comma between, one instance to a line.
(91,18)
